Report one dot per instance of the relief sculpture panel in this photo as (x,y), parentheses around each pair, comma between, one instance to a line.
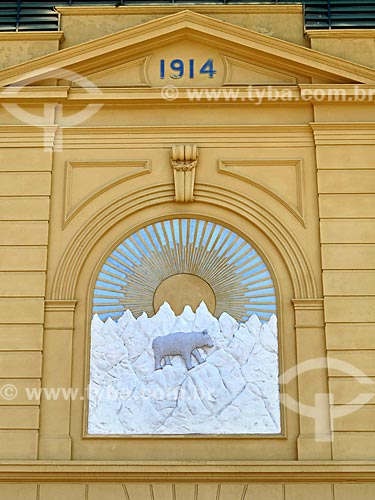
(184,336)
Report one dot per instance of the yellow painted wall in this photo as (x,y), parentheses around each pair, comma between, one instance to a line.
(70,192)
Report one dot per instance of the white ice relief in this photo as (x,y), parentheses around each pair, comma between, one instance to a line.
(234,392)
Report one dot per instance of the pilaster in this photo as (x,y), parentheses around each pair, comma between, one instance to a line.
(314,441)
(55,441)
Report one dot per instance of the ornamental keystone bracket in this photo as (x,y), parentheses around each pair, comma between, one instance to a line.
(184,160)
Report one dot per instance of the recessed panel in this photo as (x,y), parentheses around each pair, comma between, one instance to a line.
(184,336)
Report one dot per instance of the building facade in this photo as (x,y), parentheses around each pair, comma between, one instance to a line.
(158,157)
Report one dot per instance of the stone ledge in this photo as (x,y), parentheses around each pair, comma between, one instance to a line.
(341,33)
(187,472)
(172,9)
(31,36)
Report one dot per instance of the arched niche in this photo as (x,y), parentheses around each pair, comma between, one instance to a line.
(171,292)
(282,444)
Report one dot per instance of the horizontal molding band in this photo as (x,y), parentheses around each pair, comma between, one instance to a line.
(231,95)
(159,136)
(168,472)
(31,36)
(27,136)
(341,33)
(173,9)
(339,133)
(323,132)
(308,304)
(39,93)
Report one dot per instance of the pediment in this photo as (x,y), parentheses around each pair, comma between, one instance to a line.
(142,56)
(130,74)
(186,62)
(240,72)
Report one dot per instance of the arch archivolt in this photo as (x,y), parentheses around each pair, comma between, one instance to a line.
(99,236)
(224,203)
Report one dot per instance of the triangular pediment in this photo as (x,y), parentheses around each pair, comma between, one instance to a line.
(131,74)
(241,72)
(143,55)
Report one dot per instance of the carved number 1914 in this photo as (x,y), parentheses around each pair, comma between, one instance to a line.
(179,68)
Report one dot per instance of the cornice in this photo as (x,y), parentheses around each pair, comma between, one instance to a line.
(60,305)
(132,137)
(203,27)
(272,136)
(351,90)
(34,93)
(187,472)
(332,133)
(27,136)
(31,36)
(301,94)
(59,315)
(184,95)
(172,9)
(308,304)
(344,126)
(254,95)
(347,33)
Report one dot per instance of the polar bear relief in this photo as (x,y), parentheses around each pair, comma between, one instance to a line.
(180,344)
(235,391)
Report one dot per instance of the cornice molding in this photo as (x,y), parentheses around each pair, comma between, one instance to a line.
(332,133)
(308,304)
(173,9)
(37,93)
(338,94)
(132,137)
(304,94)
(187,472)
(60,305)
(329,133)
(209,135)
(27,136)
(59,315)
(295,57)
(31,36)
(184,95)
(347,33)
(344,126)
(254,95)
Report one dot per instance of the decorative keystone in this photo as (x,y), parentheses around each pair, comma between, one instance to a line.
(184,159)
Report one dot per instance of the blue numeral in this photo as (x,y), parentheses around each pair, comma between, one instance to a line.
(178,65)
(178,68)
(191,68)
(208,68)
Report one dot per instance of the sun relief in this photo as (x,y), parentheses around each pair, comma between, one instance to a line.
(184,335)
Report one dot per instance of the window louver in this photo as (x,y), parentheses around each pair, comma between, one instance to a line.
(26,15)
